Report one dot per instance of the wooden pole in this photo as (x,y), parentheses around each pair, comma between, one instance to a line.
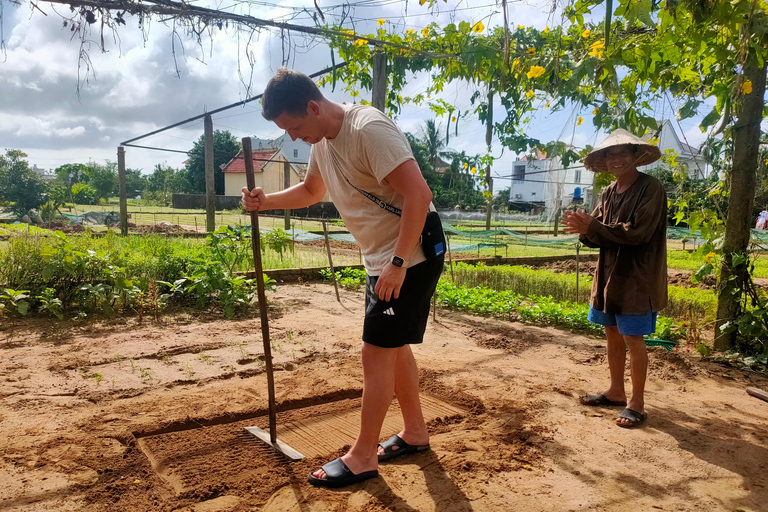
(379,86)
(286,185)
(488,178)
(123,193)
(330,261)
(450,258)
(210,186)
(255,243)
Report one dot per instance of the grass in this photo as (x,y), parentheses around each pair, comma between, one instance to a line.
(692,261)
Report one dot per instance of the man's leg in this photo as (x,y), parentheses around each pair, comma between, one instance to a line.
(378,389)
(407,391)
(638,364)
(617,356)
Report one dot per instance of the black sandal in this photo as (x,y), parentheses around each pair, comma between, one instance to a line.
(395,447)
(635,418)
(339,475)
(600,400)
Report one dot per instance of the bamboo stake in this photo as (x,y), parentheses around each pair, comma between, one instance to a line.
(330,261)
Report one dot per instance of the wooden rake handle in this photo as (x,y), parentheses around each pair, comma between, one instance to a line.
(255,242)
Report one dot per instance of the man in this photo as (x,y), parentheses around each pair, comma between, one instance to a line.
(630,284)
(366,164)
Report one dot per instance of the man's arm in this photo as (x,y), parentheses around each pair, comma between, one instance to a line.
(306,193)
(407,180)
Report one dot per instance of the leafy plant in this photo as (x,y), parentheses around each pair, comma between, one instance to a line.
(278,240)
(14,301)
(348,278)
(50,303)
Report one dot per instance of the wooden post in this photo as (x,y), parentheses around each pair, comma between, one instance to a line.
(122,187)
(210,187)
(286,185)
(379,86)
(251,182)
(330,261)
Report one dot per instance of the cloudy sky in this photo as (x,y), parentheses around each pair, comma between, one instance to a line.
(147,80)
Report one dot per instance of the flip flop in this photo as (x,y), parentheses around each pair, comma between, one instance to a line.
(395,447)
(635,418)
(600,400)
(339,475)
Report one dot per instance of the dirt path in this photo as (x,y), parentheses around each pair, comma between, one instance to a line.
(122,417)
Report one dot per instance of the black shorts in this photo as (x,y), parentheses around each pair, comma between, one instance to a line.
(401,321)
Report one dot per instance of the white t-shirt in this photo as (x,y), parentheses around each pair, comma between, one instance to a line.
(368,147)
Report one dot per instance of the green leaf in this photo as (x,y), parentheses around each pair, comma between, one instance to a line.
(738,259)
(23,307)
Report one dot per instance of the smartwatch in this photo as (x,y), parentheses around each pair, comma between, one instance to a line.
(397,261)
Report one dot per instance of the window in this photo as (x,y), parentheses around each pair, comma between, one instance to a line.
(533,193)
(577,176)
(295,153)
(518,172)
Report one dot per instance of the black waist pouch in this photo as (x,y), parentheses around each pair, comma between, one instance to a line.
(432,236)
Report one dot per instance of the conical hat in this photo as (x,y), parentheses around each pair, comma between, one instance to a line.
(646,153)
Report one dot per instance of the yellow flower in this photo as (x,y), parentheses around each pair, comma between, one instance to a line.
(515,63)
(596,49)
(350,32)
(586,33)
(546,30)
(529,94)
(531,50)
(361,42)
(546,106)
(381,22)
(521,26)
(411,31)
(594,112)
(535,72)
(466,165)
(453,119)
(746,87)
(474,170)
(709,256)
(579,121)
(765,161)
(425,31)
(478,27)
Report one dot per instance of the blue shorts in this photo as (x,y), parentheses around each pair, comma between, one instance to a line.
(631,325)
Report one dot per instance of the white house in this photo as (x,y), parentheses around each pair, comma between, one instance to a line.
(296,151)
(686,155)
(544,182)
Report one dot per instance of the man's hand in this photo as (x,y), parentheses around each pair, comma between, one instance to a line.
(254,200)
(576,222)
(390,281)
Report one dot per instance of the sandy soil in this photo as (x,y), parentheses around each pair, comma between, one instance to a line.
(117,416)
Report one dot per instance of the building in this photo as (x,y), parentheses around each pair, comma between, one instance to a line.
(687,156)
(296,151)
(269,167)
(46,174)
(541,182)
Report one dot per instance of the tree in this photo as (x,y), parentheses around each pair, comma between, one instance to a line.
(20,186)
(69,174)
(501,200)
(102,178)
(135,183)
(165,181)
(225,148)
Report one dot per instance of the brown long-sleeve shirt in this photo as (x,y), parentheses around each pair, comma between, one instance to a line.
(631,231)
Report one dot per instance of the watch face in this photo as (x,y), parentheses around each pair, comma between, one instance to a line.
(397,261)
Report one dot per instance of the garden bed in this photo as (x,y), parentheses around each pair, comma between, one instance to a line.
(85,405)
